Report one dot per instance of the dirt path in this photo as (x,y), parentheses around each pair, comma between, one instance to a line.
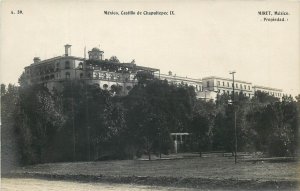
(16,184)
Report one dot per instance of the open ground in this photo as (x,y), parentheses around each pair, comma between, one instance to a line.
(194,172)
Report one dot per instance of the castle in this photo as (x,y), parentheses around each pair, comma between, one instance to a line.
(108,73)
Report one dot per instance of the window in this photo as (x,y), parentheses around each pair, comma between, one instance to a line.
(248,87)
(227,84)
(105,86)
(245,87)
(67,75)
(241,86)
(236,85)
(81,75)
(207,84)
(67,65)
(80,65)
(218,82)
(223,84)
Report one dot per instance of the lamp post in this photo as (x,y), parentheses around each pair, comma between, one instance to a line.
(233,103)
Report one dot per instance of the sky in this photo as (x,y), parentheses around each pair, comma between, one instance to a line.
(203,38)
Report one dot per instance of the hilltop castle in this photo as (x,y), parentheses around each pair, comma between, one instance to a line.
(111,72)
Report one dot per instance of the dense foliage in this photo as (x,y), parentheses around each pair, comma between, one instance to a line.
(84,122)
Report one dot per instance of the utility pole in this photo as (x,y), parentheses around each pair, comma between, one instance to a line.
(87,122)
(73,123)
(234,110)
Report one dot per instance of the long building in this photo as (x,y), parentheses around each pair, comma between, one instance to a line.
(96,70)
(212,86)
(174,79)
(110,72)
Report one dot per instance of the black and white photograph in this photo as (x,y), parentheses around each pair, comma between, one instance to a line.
(149,95)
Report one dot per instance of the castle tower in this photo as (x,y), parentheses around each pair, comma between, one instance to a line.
(68,50)
(36,59)
(96,54)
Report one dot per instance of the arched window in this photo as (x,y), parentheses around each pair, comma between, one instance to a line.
(67,65)
(80,65)
(105,86)
(67,75)
(57,65)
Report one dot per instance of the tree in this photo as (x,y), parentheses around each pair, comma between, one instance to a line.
(37,120)
(155,109)
(3,89)
(223,128)
(202,124)
(114,59)
(10,156)
(116,89)
(276,127)
(144,77)
(263,98)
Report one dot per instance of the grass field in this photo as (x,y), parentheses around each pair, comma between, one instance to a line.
(211,168)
